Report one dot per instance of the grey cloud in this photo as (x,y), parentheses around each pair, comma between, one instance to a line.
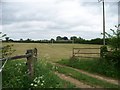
(46,20)
(20,11)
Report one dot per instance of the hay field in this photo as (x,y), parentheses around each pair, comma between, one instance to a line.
(51,52)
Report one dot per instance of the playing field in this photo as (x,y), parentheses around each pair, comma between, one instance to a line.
(51,52)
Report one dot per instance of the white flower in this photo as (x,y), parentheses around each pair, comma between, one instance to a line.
(38,81)
(43,81)
(35,85)
(35,79)
(31,84)
(41,77)
(41,84)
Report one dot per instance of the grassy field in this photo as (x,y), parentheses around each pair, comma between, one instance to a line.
(51,52)
(60,53)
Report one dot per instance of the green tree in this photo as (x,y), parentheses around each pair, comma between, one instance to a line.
(65,38)
(7,49)
(73,38)
(58,38)
(114,38)
(7,39)
(113,56)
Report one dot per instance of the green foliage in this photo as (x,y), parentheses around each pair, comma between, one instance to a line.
(15,75)
(7,51)
(7,39)
(114,57)
(93,66)
(103,50)
(84,78)
(114,39)
(47,77)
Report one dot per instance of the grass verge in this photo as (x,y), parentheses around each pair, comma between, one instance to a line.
(82,77)
(93,66)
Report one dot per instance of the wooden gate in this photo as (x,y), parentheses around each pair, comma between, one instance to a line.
(86,52)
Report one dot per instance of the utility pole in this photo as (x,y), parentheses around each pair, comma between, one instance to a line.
(103,24)
(103,21)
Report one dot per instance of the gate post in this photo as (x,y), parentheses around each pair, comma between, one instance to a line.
(30,63)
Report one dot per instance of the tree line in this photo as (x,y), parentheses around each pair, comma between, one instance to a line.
(60,39)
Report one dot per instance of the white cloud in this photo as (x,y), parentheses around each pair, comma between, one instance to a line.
(60,0)
(50,18)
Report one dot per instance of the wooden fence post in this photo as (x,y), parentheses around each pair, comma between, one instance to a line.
(30,63)
(35,54)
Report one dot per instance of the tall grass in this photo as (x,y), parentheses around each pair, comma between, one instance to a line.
(93,65)
(15,75)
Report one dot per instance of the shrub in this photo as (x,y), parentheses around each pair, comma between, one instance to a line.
(114,57)
(103,51)
(114,39)
(114,42)
(7,51)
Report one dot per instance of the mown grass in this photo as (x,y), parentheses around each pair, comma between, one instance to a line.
(82,77)
(48,51)
(93,66)
(15,75)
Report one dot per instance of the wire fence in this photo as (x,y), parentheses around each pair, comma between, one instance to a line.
(30,55)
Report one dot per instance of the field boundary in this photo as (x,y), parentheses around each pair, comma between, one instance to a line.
(30,55)
(76,52)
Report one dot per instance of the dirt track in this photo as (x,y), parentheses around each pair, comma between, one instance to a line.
(110,80)
(77,83)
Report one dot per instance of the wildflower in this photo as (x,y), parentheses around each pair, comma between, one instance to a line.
(35,85)
(41,77)
(35,80)
(38,81)
(41,84)
(16,64)
(31,84)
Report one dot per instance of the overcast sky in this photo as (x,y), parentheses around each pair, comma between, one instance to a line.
(46,19)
